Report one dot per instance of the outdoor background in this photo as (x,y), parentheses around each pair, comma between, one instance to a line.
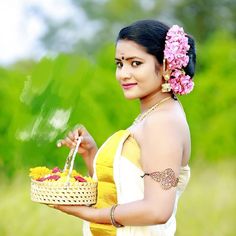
(68,77)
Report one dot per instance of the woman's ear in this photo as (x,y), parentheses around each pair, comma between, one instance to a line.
(158,69)
(165,72)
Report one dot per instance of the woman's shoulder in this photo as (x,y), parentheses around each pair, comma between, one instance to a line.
(164,123)
(166,118)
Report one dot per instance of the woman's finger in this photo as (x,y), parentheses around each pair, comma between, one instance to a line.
(71,143)
(72,135)
(85,140)
(66,142)
(80,129)
(71,139)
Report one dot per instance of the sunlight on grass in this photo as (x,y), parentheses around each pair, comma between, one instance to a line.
(208,205)
(206,208)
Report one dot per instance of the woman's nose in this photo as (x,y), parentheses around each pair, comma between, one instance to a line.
(124,73)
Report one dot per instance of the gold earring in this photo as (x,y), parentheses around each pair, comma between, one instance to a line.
(165,88)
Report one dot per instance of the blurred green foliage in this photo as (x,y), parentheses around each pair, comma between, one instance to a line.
(199,18)
(40,102)
(211,108)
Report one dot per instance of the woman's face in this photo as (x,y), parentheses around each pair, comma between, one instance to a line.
(139,73)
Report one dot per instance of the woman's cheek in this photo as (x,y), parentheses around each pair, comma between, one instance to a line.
(117,75)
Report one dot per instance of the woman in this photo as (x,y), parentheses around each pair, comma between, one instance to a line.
(142,171)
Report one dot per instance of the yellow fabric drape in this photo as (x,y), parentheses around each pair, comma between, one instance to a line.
(106,195)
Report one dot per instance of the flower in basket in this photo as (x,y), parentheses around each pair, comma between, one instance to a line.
(81,190)
(39,172)
(42,174)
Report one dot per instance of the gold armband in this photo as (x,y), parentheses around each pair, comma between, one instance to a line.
(166,178)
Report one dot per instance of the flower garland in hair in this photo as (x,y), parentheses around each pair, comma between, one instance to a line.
(175,54)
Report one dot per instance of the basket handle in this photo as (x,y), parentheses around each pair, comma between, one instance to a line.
(71,158)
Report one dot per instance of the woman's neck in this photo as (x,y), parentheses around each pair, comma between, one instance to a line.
(150,100)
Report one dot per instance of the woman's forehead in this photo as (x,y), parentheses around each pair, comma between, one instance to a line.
(128,48)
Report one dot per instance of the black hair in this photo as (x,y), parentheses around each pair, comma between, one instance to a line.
(151,35)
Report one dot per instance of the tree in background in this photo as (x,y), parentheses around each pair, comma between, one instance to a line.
(203,18)
(104,18)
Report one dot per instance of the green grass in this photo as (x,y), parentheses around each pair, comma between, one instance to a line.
(20,216)
(207,208)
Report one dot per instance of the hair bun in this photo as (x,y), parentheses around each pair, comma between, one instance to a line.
(190,68)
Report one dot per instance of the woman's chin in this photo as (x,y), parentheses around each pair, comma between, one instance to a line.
(130,96)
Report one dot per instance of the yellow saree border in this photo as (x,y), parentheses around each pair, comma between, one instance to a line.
(106,193)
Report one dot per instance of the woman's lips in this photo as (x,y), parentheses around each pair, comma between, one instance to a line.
(128,85)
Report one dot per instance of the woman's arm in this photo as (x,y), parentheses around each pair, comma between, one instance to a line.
(161,148)
(137,213)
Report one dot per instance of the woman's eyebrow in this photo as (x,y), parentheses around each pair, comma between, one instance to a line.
(128,58)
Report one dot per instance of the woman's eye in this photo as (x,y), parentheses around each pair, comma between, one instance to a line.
(118,64)
(136,63)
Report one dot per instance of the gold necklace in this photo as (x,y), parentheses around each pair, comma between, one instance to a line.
(141,116)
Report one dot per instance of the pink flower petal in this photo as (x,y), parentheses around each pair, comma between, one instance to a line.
(55,170)
(79,178)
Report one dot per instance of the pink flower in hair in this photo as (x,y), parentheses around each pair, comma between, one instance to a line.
(175,53)
(176,48)
(181,83)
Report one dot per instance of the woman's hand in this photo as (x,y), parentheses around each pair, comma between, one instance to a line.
(83,212)
(91,214)
(87,149)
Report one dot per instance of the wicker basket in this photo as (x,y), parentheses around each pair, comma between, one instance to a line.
(80,193)
(76,193)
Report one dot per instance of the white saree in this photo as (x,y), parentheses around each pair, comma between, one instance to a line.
(130,187)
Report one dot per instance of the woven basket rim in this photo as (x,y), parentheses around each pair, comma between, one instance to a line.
(63,184)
